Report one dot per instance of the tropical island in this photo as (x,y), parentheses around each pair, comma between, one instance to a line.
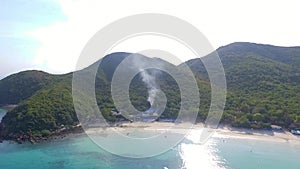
(263,90)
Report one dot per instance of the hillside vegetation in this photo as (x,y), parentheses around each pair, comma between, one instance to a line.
(263,88)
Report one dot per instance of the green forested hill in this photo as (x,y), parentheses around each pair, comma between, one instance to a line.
(266,82)
(21,86)
(263,88)
(263,84)
(46,111)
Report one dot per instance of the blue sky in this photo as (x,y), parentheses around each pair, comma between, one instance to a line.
(17,18)
(50,34)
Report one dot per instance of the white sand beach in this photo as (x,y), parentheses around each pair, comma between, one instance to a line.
(267,135)
(182,128)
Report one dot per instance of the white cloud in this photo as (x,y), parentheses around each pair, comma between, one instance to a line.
(153,42)
(223,22)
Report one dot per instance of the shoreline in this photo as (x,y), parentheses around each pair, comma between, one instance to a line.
(57,135)
(179,128)
(281,136)
(261,135)
(8,107)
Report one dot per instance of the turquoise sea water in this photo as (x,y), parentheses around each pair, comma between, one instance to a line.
(253,154)
(2,113)
(79,152)
(75,153)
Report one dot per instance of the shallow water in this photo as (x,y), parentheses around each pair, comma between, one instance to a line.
(79,152)
(258,154)
(2,113)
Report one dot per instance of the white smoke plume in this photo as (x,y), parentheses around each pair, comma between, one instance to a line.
(149,78)
(150,81)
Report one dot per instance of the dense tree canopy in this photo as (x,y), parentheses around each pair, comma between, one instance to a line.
(263,89)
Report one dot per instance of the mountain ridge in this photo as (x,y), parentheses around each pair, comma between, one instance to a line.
(263,86)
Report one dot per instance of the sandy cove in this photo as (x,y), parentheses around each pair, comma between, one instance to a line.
(265,135)
(222,132)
